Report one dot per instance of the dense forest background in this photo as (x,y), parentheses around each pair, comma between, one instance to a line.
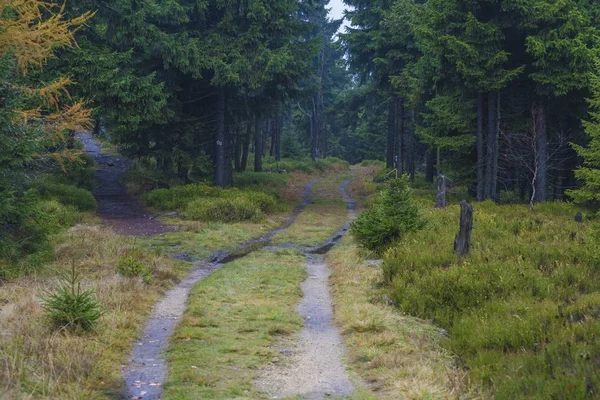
(491,93)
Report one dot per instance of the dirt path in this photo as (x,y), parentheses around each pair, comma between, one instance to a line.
(117,208)
(314,368)
(146,372)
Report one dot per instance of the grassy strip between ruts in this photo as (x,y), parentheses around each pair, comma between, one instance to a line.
(233,318)
(315,225)
(400,357)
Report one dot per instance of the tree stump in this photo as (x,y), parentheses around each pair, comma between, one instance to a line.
(462,242)
(440,199)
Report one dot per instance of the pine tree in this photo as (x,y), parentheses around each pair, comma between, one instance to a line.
(589,173)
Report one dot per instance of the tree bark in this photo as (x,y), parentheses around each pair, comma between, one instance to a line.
(228,159)
(491,140)
(440,199)
(496,150)
(462,241)
(429,168)
(411,145)
(258,143)
(480,149)
(391,134)
(246,147)
(542,154)
(400,136)
(220,142)
(237,154)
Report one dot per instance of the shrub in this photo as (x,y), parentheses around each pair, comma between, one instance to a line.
(388,218)
(130,267)
(233,209)
(70,307)
(178,196)
(82,199)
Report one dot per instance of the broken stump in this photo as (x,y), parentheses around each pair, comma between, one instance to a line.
(462,242)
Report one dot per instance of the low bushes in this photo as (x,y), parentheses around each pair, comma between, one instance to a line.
(389,217)
(178,196)
(208,203)
(223,210)
(521,311)
(81,199)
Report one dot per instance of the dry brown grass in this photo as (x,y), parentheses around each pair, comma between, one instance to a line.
(294,191)
(362,181)
(38,362)
(400,357)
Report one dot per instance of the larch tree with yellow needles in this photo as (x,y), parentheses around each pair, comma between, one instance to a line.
(35,114)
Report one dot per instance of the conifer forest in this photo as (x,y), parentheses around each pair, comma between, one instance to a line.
(299,199)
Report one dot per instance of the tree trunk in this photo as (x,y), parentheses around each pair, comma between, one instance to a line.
(491,140)
(314,133)
(462,241)
(246,147)
(228,159)
(220,143)
(237,154)
(391,134)
(429,168)
(400,136)
(265,135)
(496,150)
(542,154)
(440,199)
(480,149)
(411,145)
(278,138)
(258,143)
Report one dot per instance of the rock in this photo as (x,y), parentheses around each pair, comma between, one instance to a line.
(275,360)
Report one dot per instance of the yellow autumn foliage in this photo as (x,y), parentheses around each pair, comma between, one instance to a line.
(30,32)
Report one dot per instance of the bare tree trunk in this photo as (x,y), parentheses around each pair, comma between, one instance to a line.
(265,135)
(279,124)
(220,143)
(400,136)
(391,134)
(429,170)
(314,132)
(411,146)
(496,150)
(228,159)
(258,126)
(462,241)
(246,146)
(491,140)
(480,149)
(237,153)
(542,153)
(440,199)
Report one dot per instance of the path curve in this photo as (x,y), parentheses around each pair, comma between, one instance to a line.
(314,369)
(115,206)
(147,370)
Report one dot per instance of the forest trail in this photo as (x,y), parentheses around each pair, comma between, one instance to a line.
(146,372)
(314,369)
(115,206)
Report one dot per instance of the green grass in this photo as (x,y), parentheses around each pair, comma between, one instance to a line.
(200,240)
(233,318)
(316,224)
(521,310)
(400,357)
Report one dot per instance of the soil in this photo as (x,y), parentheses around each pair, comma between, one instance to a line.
(312,368)
(115,206)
